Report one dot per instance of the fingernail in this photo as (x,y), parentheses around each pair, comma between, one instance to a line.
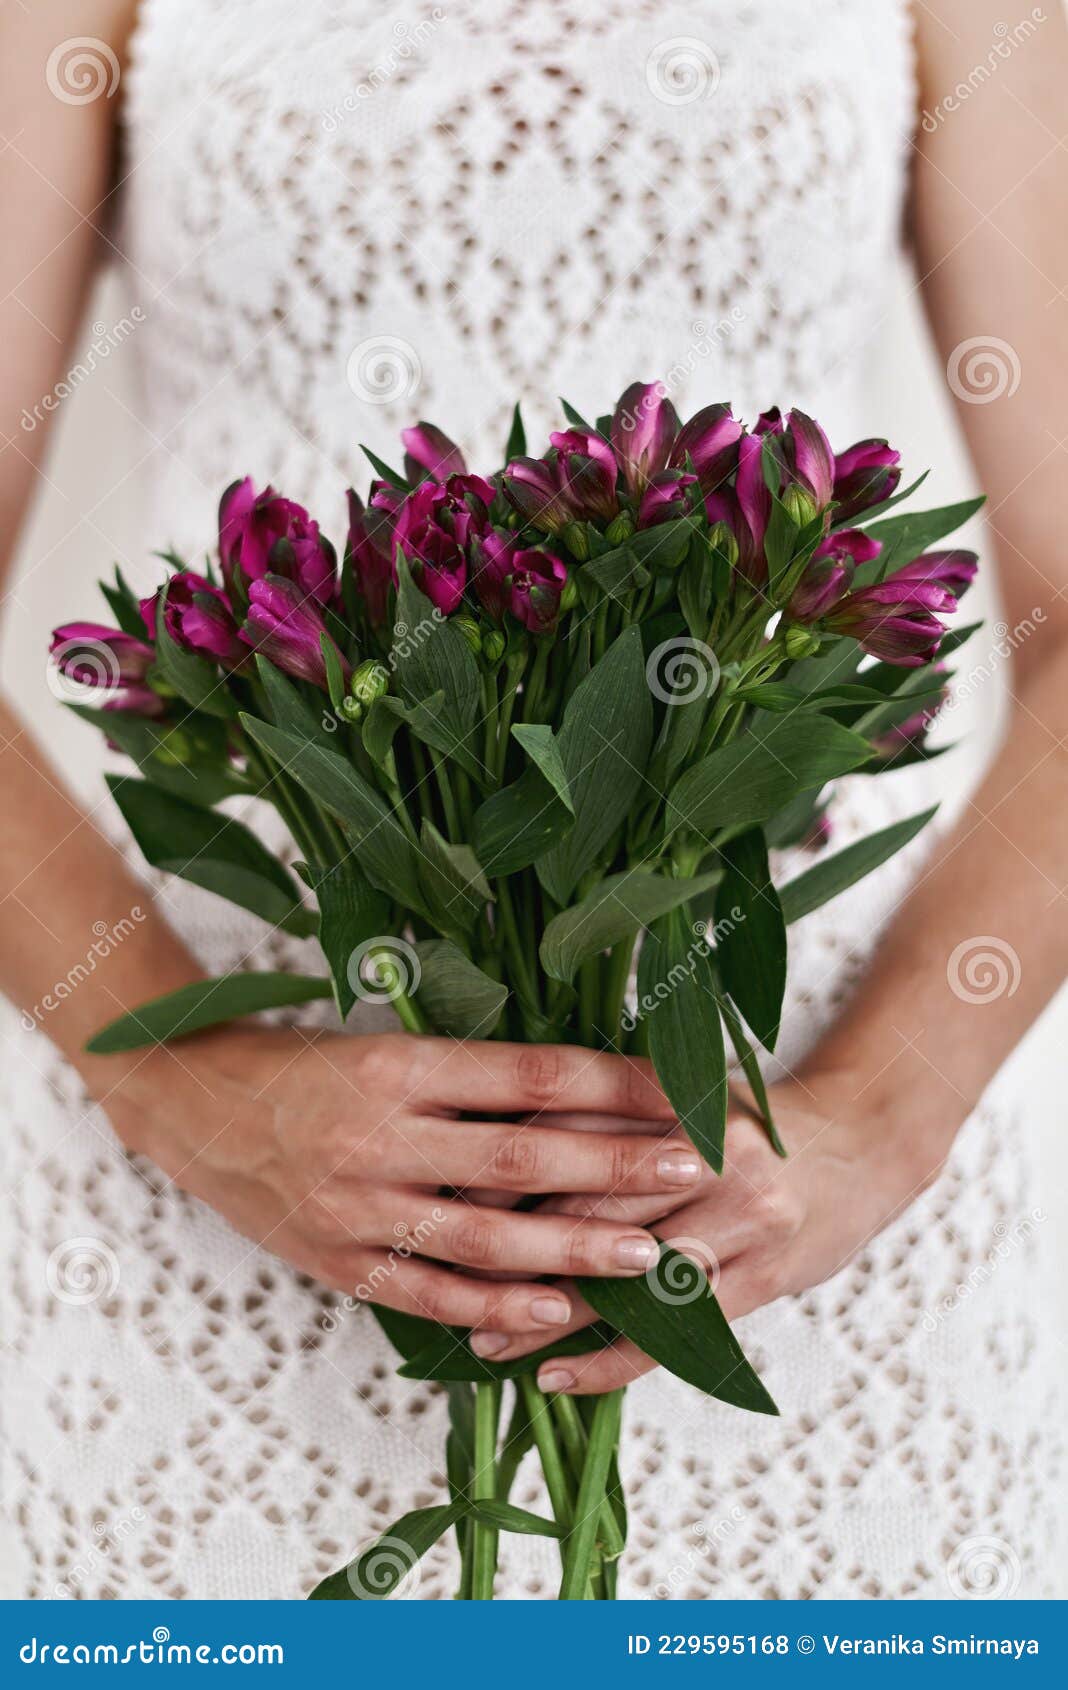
(636,1253)
(552,1379)
(679,1167)
(489,1343)
(550,1311)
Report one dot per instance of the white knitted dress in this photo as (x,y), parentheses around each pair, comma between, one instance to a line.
(340,216)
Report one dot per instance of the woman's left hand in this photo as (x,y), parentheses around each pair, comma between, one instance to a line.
(765,1228)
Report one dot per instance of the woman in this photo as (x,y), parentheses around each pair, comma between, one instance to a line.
(336,217)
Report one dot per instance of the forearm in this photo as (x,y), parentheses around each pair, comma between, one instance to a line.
(920,1041)
(80,939)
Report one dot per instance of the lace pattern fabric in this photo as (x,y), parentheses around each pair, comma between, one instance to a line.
(329,235)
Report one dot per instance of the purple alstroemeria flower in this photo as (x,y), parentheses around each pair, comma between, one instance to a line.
(829,574)
(286,625)
(198,617)
(803,454)
(535,585)
(710,440)
(369,550)
(586,474)
(534,487)
(427,451)
(665,498)
(864,474)
(896,620)
(754,498)
(261,533)
(730,529)
(138,701)
(97,656)
(643,432)
(955,570)
(492,562)
(434,528)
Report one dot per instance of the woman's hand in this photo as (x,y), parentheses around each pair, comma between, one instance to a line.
(765,1228)
(332,1152)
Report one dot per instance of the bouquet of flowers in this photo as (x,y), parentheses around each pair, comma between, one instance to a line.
(540,726)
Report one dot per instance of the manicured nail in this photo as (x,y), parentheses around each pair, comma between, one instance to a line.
(550,1311)
(552,1379)
(489,1343)
(679,1167)
(636,1253)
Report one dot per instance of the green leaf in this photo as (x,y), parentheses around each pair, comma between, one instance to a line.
(747,1057)
(542,747)
(516,444)
(456,888)
(426,720)
(289,708)
(386,854)
(751,935)
(393,476)
(204,1004)
(673,1316)
(622,904)
(203,777)
(447,1356)
(124,606)
(518,824)
(335,675)
(508,1518)
(604,743)
(431,656)
(408,1333)
(913,533)
(376,1573)
(191,677)
(745,782)
(676,995)
(221,855)
(455,993)
(884,505)
(351,911)
(819,884)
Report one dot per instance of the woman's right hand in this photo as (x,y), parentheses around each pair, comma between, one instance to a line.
(332,1151)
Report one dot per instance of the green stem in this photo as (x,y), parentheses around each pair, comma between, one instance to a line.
(388,975)
(603,1437)
(484,1488)
(575,1437)
(557,1483)
(448,802)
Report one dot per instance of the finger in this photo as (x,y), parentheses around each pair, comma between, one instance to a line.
(642,1211)
(588,1121)
(603,1370)
(413,1286)
(504,1346)
(506,1157)
(509,1077)
(452,1230)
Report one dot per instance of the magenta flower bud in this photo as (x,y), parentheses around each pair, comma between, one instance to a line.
(664,498)
(427,451)
(725,516)
(138,701)
(954,570)
(809,456)
(769,422)
(896,620)
(492,558)
(435,527)
(261,533)
(198,618)
(536,584)
(287,627)
(533,487)
(97,656)
(754,498)
(825,581)
(369,552)
(643,432)
(586,474)
(710,440)
(864,475)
